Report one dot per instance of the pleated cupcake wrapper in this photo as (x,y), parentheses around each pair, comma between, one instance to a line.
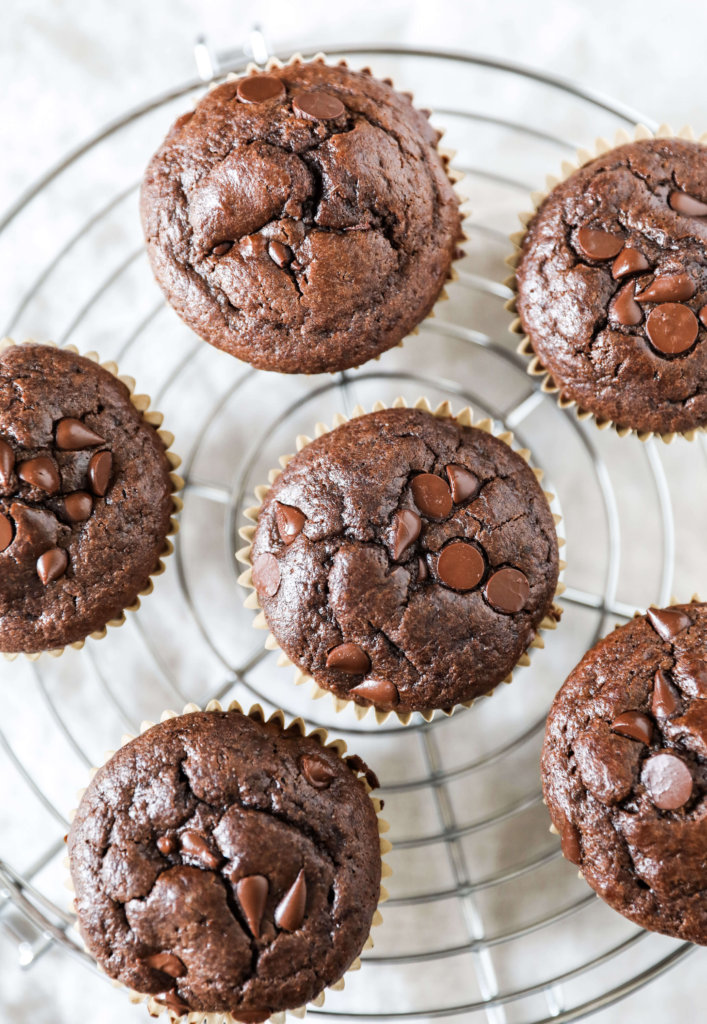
(321,735)
(443,411)
(525,348)
(154,418)
(454,174)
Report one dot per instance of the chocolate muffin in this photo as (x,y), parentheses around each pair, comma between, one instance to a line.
(226,865)
(625,769)
(85,498)
(406,561)
(612,286)
(301,219)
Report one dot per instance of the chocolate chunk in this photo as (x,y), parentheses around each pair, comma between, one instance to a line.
(624,308)
(266,574)
(6,532)
(252,895)
(279,253)
(41,473)
(672,288)
(166,844)
(78,506)
(432,495)
(260,88)
(598,244)
(72,434)
(672,328)
(100,469)
(196,846)
(668,781)
(7,462)
(683,203)
(317,772)
(665,702)
(52,564)
(222,248)
(380,692)
(173,1001)
(318,106)
(668,622)
(569,840)
(290,521)
(629,261)
(289,913)
(168,963)
(463,483)
(406,530)
(349,658)
(634,725)
(508,590)
(460,565)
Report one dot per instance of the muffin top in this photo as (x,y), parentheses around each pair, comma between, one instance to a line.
(85,498)
(612,285)
(225,865)
(625,769)
(301,219)
(405,561)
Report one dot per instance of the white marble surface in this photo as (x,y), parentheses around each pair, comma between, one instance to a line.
(67,67)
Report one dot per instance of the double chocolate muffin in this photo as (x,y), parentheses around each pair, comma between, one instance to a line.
(625,769)
(223,864)
(301,219)
(612,286)
(85,498)
(406,561)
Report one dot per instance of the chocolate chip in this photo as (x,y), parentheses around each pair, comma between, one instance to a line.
(569,840)
(279,253)
(349,658)
(168,963)
(319,106)
(460,565)
(173,1001)
(166,844)
(422,570)
(634,725)
(289,521)
(222,248)
(664,703)
(317,772)
(464,484)
(266,574)
(100,469)
(508,590)
(672,288)
(598,244)
(196,846)
(259,88)
(78,506)
(7,462)
(629,261)
(6,532)
(432,495)
(668,622)
(72,434)
(52,564)
(252,893)
(624,308)
(40,472)
(406,530)
(672,328)
(681,202)
(289,913)
(380,692)
(668,781)
(703,316)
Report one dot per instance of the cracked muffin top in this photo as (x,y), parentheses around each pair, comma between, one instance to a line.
(612,286)
(625,769)
(301,219)
(85,498)
(406,561)
(226,865)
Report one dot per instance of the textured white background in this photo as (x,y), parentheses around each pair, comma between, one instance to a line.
(68,66)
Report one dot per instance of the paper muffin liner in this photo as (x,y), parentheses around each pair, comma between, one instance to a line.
(455,175)
(525,347)
(464,418)
(154,419)
(321,735)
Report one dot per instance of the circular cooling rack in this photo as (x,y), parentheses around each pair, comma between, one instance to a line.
(486,921)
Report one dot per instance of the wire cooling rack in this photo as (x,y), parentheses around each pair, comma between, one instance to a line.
(485,921)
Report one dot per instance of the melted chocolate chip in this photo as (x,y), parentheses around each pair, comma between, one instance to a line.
(668,781)
(222,248)
(665,702)
(672,328)
(260,88)
(508,590)
(687,205)
(598,244)
(671,288)
(52,564)
(667,622)
(168,963)
(41,473)
(406,530)
(318,106)
(166,845)
(279,253)
(78,506)
(463,483)
(266,574)
(349,658)
(289,913)
(6,532)
(316,772)
(7,462)
(624,308)
(72,434)
(422,570)
(290,521)
(460,565)
(629,261)
(196,846)
(634,725)
(100,469)
(380,692)
(252,893)
(432,495)
(173,1001)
